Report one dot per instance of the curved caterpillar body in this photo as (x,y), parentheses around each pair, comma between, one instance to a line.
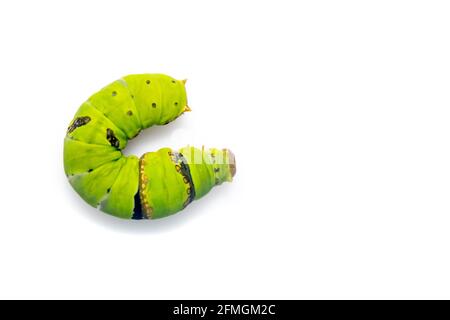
(159,183)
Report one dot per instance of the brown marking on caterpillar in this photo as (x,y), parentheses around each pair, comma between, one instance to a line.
(143,181)
(78,122)
(112,138)
(129,113)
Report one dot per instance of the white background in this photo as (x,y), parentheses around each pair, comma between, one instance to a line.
(338,113)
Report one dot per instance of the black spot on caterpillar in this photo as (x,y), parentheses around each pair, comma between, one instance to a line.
(78,122)
(137,211)
(112,138)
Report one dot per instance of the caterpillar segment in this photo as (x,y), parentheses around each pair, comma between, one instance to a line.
(157,184)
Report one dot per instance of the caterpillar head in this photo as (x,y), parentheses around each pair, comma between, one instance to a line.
(223,163)
(231,162)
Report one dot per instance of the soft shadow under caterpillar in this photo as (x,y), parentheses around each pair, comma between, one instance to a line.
(159,183)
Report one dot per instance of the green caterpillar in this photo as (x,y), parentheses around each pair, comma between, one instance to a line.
(159,183)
